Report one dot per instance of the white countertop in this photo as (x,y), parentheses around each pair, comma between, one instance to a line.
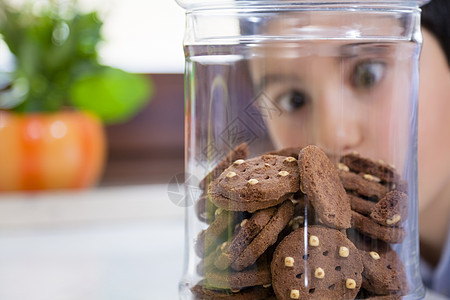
(110,243)
(87,206)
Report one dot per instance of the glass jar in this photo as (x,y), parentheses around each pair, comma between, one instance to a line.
(301,149)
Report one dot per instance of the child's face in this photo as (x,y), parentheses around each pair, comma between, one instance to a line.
(342,97)
(356,97)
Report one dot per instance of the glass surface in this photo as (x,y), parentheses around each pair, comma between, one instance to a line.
(343,79)
(202,4)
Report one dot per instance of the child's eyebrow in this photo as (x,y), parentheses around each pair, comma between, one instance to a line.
(270,79)
(345,51)
(357,49)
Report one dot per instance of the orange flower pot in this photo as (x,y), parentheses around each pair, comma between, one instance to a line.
(64,150)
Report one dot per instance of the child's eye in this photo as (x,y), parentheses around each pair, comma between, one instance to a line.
(368,74)
(292,100)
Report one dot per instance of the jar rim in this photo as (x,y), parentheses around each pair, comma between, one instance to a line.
(193,5)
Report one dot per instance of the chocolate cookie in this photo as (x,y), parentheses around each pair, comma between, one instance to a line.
(363,206)
(202,292)
(381,170)
(362,185)
(266,237)
(208,239)
(256,275)
(240,152)
(247,231)
(374,230)
(383,272)
(256,183)
(321,183)
(364,294)
(316,263)
(304,213)
(385,297)
(392,210)
(366,243)
(207,263)
(234,205)
(289,152)
(205,209)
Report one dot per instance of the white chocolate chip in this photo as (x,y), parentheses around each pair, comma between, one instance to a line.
(222,247)
(313,241)
(294,201)
(374,255)
(299,219)
(319,273)
(381,162)
(218,211)
(230,174)
(239,162)
(253,181)
(244,222)
(395,219)
(290,159)
(350,284)
(344,251)
(296,222)
(343,167)
(266,165)
(283,173)
(295,294)
(267,285)
(289,261)
(302,189)
(295,226)
(371,178)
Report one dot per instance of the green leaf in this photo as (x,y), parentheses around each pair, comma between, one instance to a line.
(56,53)
(111,94)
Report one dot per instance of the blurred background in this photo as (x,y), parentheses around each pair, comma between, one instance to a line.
(146,37)
(122,238)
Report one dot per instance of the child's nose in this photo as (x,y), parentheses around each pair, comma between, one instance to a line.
(338,126)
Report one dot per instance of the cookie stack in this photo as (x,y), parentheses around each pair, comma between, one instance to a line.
(298,227)
(379,204)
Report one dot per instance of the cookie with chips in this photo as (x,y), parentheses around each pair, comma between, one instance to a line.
(391,210)
(265,238)
(217,232)
(202,292)
(378,169)
(374,230)
(256,183)
(241,151)
(316,263)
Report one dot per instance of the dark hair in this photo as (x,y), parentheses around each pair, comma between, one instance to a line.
(436,18)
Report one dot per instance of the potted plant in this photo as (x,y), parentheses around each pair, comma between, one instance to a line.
(53,105)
